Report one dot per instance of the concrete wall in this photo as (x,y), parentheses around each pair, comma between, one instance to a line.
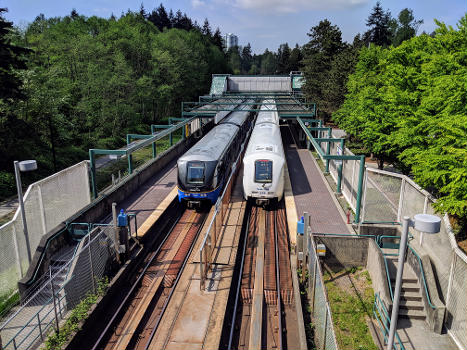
(344,251)
(376,267)
(435,316)
(378,230)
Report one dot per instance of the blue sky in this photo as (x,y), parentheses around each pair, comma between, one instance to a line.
(263,23)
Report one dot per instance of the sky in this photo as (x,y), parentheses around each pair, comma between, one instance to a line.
(263,23)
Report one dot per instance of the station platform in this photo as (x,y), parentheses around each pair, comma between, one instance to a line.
(312,193)
(161,188)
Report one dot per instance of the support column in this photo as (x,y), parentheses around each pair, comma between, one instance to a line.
(339,169)
(360,188)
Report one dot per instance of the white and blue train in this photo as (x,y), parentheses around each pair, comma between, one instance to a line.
(264,160)
(203,170)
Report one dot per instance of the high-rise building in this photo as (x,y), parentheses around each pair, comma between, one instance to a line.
(230,40)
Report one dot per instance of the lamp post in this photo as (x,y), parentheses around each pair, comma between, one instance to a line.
(25,165)
(423,223)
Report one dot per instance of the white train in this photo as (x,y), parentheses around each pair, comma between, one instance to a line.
(264,160)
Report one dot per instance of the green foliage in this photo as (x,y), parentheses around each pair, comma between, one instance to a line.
(7,301)
(407,106)
(91,80)
(327,63)
(79,313)
(405,27)
(350,310)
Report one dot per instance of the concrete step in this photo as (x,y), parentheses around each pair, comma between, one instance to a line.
(411,288)
(405,279)
(411,296)
(411,304)
(414,314)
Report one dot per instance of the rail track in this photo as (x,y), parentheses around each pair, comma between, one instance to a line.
(263,309)
(135,321)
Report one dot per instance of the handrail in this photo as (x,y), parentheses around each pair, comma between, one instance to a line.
(379,305)
(387,273)
(422,272)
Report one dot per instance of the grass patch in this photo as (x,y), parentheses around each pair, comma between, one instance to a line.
(7,301)
(306,310)
(351,298)
(57,339)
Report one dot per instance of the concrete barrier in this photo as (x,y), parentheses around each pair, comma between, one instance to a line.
(377,270)
(435,316)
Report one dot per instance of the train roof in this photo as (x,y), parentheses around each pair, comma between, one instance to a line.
(213,145)
(236,118)
(268,113)
(265,141)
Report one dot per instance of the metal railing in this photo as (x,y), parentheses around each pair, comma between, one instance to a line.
(422,273)
(54,300)
(382,316)
(208,244)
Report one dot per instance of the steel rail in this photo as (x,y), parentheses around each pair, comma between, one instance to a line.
(135,284)
(278,286)
(239,286)
(174,285)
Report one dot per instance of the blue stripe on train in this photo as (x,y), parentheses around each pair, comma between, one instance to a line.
(212,195)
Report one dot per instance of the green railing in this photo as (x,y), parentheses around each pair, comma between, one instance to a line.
(422,273)
(382,316)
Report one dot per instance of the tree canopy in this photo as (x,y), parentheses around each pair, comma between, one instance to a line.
(408,106)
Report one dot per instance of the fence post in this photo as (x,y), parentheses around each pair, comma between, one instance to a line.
(328,150)
(116,236)
(360,187)
(42,210)
(53,298)
(39,324)
(92,266)
(325,322)
(401,200)
(18,258)
(92,162)
(339,169)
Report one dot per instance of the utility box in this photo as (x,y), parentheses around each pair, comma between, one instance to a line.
(321,249)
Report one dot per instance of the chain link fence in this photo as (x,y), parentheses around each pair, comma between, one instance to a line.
(93,259)
(325,337)
(47,203)
(387,198)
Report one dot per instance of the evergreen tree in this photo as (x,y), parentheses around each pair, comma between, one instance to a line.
(283,57)
(295,58)
(217,39)
(405,27)
(379,22)
(246,58)
(206,29)
(319,53)
(12,59)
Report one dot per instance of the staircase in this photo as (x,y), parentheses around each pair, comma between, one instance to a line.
(411,305)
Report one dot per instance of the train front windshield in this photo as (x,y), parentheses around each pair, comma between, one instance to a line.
(263,171)
(195,173)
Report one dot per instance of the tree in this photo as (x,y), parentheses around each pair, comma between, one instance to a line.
(295,58)
(217,39)
(246,58)
(324,46)
(379,22)
(405,27)
(407,105)
(12,59)
(283,57)
(206,29)
(268,63)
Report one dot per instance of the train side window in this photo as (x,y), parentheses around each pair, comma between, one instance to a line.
(195,174)
(263,171)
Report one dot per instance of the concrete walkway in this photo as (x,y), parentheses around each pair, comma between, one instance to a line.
(8,206)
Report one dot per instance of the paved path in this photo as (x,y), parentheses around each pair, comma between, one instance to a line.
(311,193)
(8,206)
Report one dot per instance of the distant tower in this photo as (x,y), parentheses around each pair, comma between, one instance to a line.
(230,40)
